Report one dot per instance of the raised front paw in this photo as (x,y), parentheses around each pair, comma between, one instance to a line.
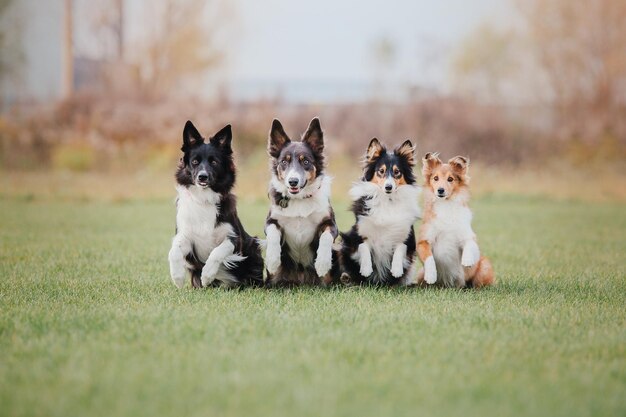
(471,254)
(397,269)
(323,263)
(209,271)
(272,260)
(430,270)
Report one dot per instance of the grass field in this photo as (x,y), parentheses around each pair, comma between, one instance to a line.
(90,323)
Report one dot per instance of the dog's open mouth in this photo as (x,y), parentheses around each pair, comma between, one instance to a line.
(294,190)
(203,184)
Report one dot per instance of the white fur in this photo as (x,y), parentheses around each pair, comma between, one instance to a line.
(448,233)
(397,262)
(196,212)
(324,258)
(471,253)
(272,253)
(300,219)
(222,255)
(430,270)
(365,259)
(388,222)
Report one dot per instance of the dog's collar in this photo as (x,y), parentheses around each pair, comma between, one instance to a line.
(283,200)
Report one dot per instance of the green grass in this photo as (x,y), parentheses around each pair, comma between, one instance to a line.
(90,324)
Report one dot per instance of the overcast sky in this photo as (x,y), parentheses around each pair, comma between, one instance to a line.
(331,39)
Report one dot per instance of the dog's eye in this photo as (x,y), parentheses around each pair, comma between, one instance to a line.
(283,162)
(436,178)
(214,162)
(195,162)
(396,173)
(305,162)
(381,171)
(450,179)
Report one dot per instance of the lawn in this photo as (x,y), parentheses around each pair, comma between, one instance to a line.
(90,323)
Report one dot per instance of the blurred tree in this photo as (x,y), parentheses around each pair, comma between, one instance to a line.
(581,48)
(181,45)
(11,55)
(486,62)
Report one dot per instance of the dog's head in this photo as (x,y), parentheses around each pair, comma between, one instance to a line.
(296,164)
(207,165)
(445,180)
(389,170)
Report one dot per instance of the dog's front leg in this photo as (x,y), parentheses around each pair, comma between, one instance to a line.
(272,253)
(426,255)
(471,253)
(365,259)
(397,262)
(324,259)
(216,258)
(180,248)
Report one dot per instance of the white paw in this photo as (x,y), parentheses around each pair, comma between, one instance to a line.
(323,263)
(209,271)
(178,278)
(272,260)
(397,270)
(471,254)
(430,270)
(366,268)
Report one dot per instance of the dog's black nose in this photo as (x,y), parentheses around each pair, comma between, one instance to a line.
(441,190)
(293,182)
(203,177)
(388,187)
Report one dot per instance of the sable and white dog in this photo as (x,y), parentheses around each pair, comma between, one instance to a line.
(380,247)
(447,244)
(300,226)
(210,243)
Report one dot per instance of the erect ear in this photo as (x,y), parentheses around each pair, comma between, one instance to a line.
(191,137)
(374,149)
(459,164)
(429,162)
(277,139)
(223,138)
(314,137)
(407,151)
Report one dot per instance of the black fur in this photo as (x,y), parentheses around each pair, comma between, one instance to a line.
(216,158)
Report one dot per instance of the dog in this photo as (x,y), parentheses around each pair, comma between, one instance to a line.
(447,244)
(300,227)
(380,247)
(210,242)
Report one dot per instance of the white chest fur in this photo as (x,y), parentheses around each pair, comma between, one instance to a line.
(196,214)
(389,218)
(300,219)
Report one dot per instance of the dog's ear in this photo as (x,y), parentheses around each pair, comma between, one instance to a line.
(314,137)
(429,162)
(191,137)
(223,138)
(374,149)
(407,151)
(277,139)
(459,164)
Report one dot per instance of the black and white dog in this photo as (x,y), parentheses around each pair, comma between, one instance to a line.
(210,241)
(380,247)
(300,226)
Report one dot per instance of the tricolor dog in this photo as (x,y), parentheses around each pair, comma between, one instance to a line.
(380,247)
(211,244)
(300,226)
(447,244)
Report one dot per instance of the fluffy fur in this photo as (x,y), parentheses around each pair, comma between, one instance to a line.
(380,247)
(300,226)
(210,244)
(447,244)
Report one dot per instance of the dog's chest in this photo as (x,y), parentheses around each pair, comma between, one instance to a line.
(196,217)
(299,222)
(385,225)
(452,221)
